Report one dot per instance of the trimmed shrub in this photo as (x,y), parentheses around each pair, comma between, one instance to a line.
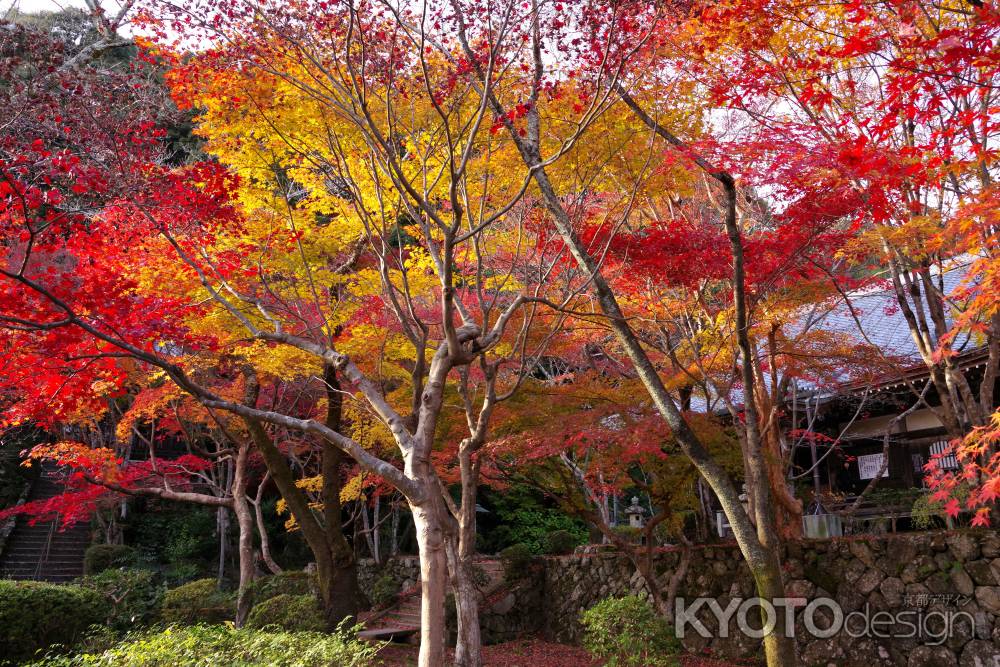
(133,596)
(629,533)
(384,591)
(199,601)
(200,645)
(101,557)
(560,542)
(36,615)
(516,560)
(627,631)
(288,612)
(293,582)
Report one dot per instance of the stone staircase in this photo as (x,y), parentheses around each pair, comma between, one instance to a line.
(42,552)
(401,622)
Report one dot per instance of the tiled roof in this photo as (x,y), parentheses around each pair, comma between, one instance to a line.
(882,321)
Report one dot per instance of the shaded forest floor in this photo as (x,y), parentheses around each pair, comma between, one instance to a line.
(531,653)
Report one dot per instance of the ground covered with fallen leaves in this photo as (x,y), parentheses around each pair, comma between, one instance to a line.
(532,653)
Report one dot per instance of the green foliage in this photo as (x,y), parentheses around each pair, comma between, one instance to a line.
(289,582)
(928,513)
(181,541)
(288,612)
(903,497)
(199,601)
(384,590)
(516,561)
(627,631)
(629,533)
(480,578)
(100,557)
(14,477)
(204,645)
(523,518)
(560,542)
(35,615)
(134,596)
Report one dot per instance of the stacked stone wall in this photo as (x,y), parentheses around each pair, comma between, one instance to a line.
(924,579)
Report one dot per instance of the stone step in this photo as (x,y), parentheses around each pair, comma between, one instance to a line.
(49,577)
(45,551)
(42,575)
(38,547)
(408,609)
(38,553)
(387,633)
(32,571)
(44,536)
(404,618)
(51,555)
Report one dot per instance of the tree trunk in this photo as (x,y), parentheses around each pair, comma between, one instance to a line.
(222,528)
(340,591)
(330,563)
(433,580)
(343,592)
(245,522)
(468,645)
(265,539)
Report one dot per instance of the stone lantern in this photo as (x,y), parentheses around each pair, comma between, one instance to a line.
(635,513)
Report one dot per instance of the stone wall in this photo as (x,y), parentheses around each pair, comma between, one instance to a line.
(926,574)
(923,574)
(405,570)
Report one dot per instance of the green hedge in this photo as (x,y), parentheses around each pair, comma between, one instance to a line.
(199,601)
(35,615)
(101,557)
(133,596)
(201,645)
(288,612)
(292,582)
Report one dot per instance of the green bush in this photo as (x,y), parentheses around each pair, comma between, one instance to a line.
(293,582)
(516,560)
(629,533)
(133,596)
(384,591)
(100,557)
(201,645)
(524,520)
(480,578)
(199,601)
(288,612)
(627,631)
(35,615)
(182,542)
(560,542)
